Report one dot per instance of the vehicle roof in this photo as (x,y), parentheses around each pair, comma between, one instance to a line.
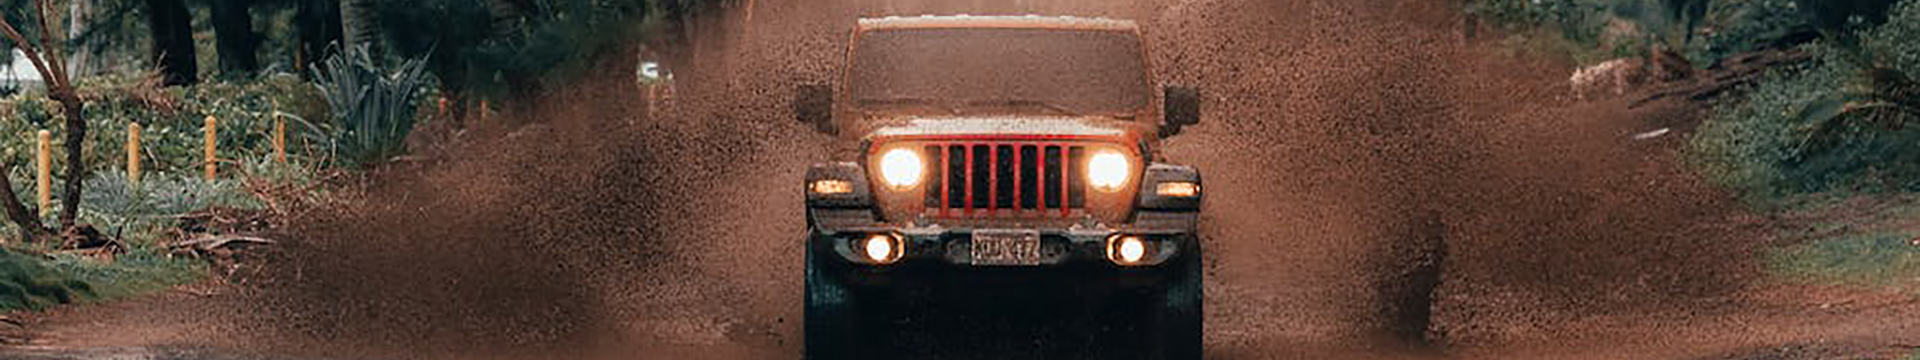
(1013,21)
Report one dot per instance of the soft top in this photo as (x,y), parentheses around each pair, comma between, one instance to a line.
(970,21)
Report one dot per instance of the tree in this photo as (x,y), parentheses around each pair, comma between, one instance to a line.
(318,25)
(46,59)
(359,25)
(173,51)
(235,41)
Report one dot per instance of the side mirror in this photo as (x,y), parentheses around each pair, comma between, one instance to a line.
(1182,109)
(813,105)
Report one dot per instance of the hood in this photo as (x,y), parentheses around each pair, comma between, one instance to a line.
(1008,125)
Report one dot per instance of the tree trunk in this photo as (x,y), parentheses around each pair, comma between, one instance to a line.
(23,218)
(359,25)
(318,22)
(80,60)
(76,163)
(172,28)
(506,17)
(238,45)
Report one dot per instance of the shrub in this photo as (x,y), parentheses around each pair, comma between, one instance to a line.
(375,107)
(1846,122)
(173,118)
(1736,27)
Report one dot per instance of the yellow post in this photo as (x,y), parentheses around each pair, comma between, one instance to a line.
(133,154)
(213,140)
(43,163)
(279,138)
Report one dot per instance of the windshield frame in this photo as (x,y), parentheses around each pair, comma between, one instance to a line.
(1142,110)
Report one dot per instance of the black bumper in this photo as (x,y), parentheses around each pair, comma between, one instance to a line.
(1073,261)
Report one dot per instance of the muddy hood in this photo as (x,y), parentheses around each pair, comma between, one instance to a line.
(1006,125)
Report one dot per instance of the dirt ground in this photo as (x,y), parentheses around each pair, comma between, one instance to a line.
(1335,134)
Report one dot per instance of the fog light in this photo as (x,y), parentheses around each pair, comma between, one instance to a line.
(1126,250)
(831,187)
(882,248)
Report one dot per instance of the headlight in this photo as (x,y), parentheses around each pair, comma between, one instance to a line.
(1108,171)
(901,168)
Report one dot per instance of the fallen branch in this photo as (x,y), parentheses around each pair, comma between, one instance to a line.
(1733,74)
(209,243)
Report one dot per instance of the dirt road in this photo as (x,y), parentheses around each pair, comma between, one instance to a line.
(1337,133)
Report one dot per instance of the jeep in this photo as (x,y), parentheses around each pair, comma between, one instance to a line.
(1000,159)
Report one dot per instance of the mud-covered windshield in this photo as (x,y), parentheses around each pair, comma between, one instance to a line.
(1068,72)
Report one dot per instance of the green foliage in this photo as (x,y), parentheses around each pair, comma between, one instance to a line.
(1800,131)
(154,205)
(1669,22)
(1897,43)
(375,107)
(1734,27)
(1849,121)
(1576,30)
(1706,31)
(174,119)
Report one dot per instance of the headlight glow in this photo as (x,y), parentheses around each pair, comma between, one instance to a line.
(1108,171)
(901,168)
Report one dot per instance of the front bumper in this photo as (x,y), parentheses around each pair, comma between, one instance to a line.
(941,256)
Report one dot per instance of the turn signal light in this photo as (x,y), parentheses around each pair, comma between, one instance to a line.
(1177,189)
(831,187)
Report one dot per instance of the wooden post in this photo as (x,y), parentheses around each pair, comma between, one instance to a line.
(43,171)
(133,154)
(279,138)
(213,140)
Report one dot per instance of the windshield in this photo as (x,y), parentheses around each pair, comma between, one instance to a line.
(1068,72)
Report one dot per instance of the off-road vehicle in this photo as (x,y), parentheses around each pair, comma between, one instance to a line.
(996,159)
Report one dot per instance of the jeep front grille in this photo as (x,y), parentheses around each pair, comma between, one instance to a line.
(1001,179)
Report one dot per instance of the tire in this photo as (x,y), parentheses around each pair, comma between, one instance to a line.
(830,315)
(1178,322)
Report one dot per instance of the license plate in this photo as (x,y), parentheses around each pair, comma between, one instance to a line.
(1006,247)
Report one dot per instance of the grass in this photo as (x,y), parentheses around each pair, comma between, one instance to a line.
(1884,260)
(1854,243)
(34,282)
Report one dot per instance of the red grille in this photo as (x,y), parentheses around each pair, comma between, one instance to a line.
(1029,179)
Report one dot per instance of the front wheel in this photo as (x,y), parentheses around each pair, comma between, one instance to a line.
(1178,320)
(829,316)
(842,321)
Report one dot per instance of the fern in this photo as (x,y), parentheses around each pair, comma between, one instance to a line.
(373,107)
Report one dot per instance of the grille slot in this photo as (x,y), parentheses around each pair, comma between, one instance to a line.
(991,178)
